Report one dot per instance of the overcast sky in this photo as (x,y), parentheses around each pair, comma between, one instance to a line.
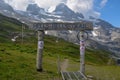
(82,6)
(96,8)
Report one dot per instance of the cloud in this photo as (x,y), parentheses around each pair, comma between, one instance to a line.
(22,4)
(85,7)
(103,3)
(47,3)
(18,4)
(82,6)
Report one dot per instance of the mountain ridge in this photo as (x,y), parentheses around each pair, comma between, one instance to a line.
(104,33)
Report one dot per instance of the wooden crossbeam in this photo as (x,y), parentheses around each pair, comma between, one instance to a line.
(82,25)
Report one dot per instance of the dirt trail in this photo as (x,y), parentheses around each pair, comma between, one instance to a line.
(64,65)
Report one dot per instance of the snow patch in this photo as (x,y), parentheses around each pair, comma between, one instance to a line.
(36,17)
(42,12)
(79,17)
(53,15)
(46,32)
(5,10)
(56,16)
(70,31)
(59,20)
(94,33)
(14,39)
(97,27)
(13,14)
(51,9)
(44,20)
(58,13)
(29,14)
(49,19)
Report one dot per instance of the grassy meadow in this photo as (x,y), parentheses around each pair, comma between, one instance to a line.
(18,61)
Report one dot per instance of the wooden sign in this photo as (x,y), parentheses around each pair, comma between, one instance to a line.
(83,25)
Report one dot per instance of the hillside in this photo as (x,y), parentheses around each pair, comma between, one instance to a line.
(10,27)
(18,61)
(7,27)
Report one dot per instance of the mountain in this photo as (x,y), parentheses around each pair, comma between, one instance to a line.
(62,10)
(4,6)
(104,34)
(35,9)
(65,12)
(9,27)
(6,9)
(61,13)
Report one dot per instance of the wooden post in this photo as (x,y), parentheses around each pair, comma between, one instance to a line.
(22,33)
(40,50)
(82,53)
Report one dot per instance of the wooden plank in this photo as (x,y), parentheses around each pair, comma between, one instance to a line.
(83,25)
(75,75)
(62,75)
(70,78)
(83,75)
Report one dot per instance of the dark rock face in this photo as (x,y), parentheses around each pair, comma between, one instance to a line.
(66,12)
(34,9)
(5,6)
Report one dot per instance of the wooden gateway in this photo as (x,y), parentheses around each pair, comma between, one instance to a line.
(76,26)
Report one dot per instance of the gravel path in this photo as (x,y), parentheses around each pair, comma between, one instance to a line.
(64,65)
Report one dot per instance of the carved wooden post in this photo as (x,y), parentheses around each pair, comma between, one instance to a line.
(82,52)
(40,50)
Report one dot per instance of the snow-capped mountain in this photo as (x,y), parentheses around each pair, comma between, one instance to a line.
(4,6)
(66,13)
(104,35)
(6,9)
(35,9)
(61,13)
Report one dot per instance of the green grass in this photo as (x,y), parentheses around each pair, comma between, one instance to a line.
(104,72)
(18,61)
